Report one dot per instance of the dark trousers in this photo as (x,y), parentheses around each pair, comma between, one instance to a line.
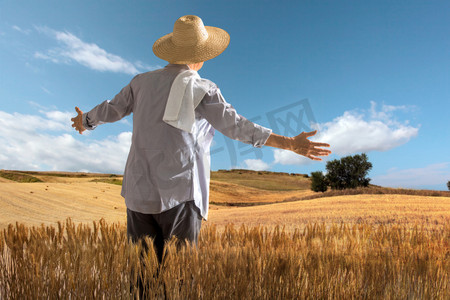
(183,221)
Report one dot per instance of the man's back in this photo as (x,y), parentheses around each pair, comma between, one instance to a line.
(150,92)
(166,166)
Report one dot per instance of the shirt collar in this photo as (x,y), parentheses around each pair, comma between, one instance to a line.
(178,66)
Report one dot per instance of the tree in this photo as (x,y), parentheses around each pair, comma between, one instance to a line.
(348,172)
(318,182)
(448,185)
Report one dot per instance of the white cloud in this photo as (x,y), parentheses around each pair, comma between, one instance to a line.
(286,157)
(44,142)
(87,54)
(256,165)
(386,112)
(46,90)
(51,57)
(24,31)
(125,122)
(59,117)
(435,174)
(15,123)
(354,132)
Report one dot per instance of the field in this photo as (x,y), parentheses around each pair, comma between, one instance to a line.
(367,246)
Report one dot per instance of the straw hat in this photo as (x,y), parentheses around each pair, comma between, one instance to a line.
(191,42)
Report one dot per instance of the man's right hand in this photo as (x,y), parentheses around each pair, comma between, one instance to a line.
(299,144)
(78,121)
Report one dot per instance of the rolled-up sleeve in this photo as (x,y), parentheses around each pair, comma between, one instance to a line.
(224,118)
(87,123)
(110,110)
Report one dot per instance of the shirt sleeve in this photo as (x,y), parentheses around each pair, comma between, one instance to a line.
(224,118)
(110,110)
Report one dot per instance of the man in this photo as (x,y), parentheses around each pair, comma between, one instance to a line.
(175,115)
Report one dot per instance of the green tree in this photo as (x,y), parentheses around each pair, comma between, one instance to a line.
(348,172)
(448,185)
(318,182)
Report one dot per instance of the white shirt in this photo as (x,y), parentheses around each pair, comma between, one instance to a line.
(167,166)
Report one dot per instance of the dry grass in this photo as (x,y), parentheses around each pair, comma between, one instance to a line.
(36,203)
(374,190)
(58,198)
(264,180)
(115,181)
(371,245)
(232,194)
(318,262)
(432,212)
(18,177)
(67,174)
(84,201)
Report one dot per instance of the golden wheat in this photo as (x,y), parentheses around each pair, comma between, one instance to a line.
(340,261)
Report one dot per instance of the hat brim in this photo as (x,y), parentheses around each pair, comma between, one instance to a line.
(217,41)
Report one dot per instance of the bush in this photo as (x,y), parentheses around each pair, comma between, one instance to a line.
(318,182)
(348,172)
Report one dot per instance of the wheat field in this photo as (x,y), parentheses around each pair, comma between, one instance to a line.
(341,247)
(319,262)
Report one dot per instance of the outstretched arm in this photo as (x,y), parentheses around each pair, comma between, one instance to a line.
(224,118)
(299,144)
(106,112)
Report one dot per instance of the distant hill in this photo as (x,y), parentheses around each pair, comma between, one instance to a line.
(238,196)
(265,180)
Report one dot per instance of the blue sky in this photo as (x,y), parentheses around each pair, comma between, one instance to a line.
(371,76)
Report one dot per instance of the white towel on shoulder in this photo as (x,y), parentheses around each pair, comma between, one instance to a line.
(187,91)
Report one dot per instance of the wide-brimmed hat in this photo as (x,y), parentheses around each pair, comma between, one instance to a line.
(191,42)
